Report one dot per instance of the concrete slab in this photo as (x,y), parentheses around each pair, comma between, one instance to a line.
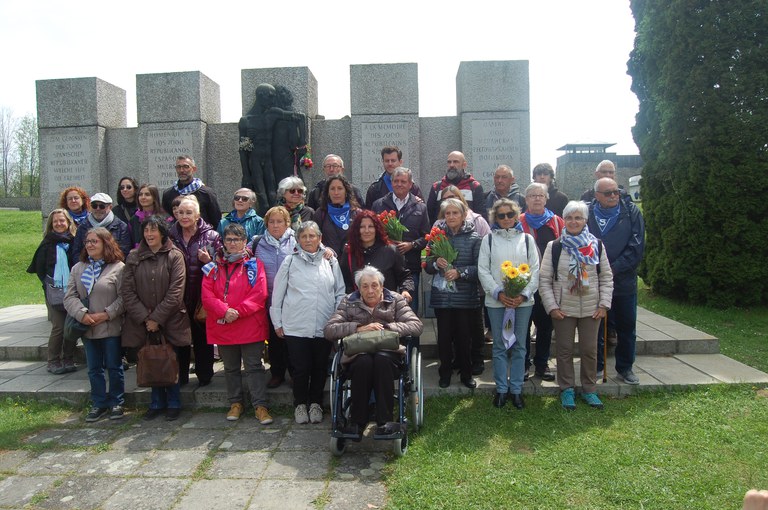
(207,494)
(302,437)
(723,368)
(282,494)
(299,465)
(146,494)
(173,463)
(248,440)
(54,463)
(10,460)
(141,440)
(197,439)
(250,465)
(356,465)
(357,494)
(114,463)
(82,493)
(669,371)
(18,491)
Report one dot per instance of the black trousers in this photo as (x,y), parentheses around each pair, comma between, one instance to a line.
(543,322)
(203,353)
(309,359)
(277,350)
(454,335)
(373,372)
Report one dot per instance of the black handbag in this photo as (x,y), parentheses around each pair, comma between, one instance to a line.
(73,328)
(54,296)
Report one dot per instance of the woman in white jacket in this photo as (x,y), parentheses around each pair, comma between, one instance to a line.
(576,294)
(507,243)
(307,290)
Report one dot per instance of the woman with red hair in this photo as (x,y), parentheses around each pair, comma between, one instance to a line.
(368,245)
(76,202)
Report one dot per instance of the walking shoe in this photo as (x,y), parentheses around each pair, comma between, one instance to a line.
(500,400)
(301,415)
(96,413)
(478,368)
(262,414)
(55,367)
(315,413)
(517,400)
(630,377)
(172,413)
(600,374)
(235,410)
(593,400)
(567,400)
(545,374)
(469,383)
(444,382)
(151,414)
(68,365)
(116,413)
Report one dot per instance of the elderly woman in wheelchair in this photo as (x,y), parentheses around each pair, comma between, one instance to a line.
(371,308)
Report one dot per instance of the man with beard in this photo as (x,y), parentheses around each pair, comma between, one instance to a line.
(504,187)
(545,174)
(456,175)
(188,184)
(101,215)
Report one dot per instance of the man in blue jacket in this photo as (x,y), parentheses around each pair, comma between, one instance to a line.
(619,224)
(101,215)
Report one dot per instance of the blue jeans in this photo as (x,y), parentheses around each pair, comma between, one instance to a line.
(623,318)
(509,364)
(166,396)
(105,353)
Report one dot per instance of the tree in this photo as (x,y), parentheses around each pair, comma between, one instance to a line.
(28,158)
(699,71)
(7,134)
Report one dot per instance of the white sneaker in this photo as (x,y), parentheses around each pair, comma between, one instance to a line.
(301,414)
(315,413)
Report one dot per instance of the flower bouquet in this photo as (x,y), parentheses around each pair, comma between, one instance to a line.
(304,156)
(392,225)
(514,280)
(439,246)
(246,144)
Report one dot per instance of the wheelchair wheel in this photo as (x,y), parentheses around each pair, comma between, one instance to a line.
(400,446)
(338,446)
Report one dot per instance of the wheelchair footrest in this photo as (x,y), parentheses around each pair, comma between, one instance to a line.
(391,430)
(352,436)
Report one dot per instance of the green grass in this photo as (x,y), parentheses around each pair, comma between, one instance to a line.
(18,419)
(674,450)
(20,234)
(743,332)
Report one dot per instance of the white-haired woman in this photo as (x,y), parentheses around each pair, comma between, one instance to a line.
(576,290)
(372,308)
(291,193)
(199,242)
(244,214)
(307,289)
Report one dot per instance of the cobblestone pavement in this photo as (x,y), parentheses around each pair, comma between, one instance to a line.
(200,461)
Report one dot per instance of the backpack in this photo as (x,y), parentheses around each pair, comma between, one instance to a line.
(557,248)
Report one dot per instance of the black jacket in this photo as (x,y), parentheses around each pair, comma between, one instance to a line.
(378,189)
(209,205)
(414,217)
(386,259)
(315,196)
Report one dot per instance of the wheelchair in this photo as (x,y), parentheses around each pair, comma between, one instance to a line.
(409,399)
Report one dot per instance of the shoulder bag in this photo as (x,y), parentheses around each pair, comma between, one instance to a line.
(371,341)
(74,329)
(157,364)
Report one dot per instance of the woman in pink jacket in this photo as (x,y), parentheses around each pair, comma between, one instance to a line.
(234,295)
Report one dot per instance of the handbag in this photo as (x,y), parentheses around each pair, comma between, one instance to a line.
(200,313)
(54,296)
(73,328)
(157,364)
(370,341)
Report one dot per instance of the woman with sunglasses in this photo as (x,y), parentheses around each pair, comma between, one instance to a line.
(292,193)
(243,214)
(126,199)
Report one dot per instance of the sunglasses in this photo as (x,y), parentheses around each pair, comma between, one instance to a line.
(509,215)
(239,198)
(99,205)
(296,191)
(610,193)
(126,186)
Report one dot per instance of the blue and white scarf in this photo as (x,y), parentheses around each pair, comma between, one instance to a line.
(61,269)
(536,221)
(91,274)
(340,215)
(190,188)
(583,250)
(80,217)
(606,218)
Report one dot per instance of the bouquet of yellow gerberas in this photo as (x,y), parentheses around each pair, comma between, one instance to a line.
(515,278)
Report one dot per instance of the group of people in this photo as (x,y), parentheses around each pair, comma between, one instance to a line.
(320,265)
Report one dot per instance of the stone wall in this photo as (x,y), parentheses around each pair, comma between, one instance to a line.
(84,139)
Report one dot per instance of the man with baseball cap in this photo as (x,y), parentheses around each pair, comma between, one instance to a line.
(101,215)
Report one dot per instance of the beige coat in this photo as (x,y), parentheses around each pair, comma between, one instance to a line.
(104,297)
(555,293)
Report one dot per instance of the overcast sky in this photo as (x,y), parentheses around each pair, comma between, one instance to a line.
(577,52)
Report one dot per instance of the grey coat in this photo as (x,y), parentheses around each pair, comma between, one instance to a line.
(105,297)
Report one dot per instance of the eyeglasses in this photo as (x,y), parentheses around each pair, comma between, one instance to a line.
(333,165)
(509,215)
(185,167)
(99,205)
(240,198)
(126,186)
(230,240)
(296,191)
(91,241)
(610,193)
(536,196)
